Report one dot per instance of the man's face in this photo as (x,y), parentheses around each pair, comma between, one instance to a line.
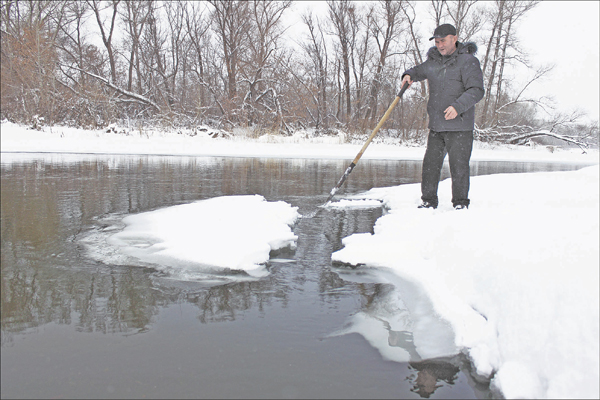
(446,45)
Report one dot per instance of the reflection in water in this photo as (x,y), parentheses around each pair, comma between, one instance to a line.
(103,301)
(398,319)
(403,339)
(430,375)
(405,332)
(224,302)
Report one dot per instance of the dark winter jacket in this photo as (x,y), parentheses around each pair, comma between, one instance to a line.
(455,80)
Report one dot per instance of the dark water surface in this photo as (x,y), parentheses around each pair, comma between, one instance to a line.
(77,326)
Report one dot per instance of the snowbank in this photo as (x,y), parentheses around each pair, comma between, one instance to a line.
(516,275)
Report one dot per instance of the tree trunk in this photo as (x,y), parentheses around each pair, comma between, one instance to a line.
(339,15)
(501,71)
(107,37)
(488,94)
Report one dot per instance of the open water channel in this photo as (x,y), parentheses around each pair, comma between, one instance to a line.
(76,325)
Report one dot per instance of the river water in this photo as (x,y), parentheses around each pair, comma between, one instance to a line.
(77,324)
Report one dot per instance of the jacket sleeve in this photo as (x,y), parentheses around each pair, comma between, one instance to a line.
(472,78)
(417,73)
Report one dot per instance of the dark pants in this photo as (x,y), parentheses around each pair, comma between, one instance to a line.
(458,145)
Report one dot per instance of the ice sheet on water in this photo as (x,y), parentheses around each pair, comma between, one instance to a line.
(220,235)
(355,203)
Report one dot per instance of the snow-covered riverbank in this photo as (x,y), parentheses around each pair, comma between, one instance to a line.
(18,138)
(516,275)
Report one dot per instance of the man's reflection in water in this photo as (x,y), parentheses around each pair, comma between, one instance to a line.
(430,373)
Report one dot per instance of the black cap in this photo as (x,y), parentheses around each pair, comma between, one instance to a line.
(443,31)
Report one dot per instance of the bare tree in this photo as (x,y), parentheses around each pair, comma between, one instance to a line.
(493,42)
(413,49)
(29,58)
(177,48)
(385,26)
(107,31)
(135,16)
(72,41)
(316,49)
(504,15)
(465,20)
(340,14)
(231,23)
(437,9)
(516,9)
(198,24)
(263,41)
(84,100)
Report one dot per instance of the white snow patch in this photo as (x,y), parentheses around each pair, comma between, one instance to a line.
(349,203)
(230,233)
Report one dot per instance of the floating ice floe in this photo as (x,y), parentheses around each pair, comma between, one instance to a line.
(223,233)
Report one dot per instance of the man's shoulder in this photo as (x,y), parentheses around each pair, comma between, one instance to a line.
(433,54)
(469,48)
(466,55)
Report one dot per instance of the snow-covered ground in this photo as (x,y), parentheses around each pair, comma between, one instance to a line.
(515,275)
(17,138)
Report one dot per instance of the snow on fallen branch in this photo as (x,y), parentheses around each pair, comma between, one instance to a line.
(545,132)
(135,96)
(516,137)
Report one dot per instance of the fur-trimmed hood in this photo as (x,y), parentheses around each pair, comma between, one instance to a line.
(461,48)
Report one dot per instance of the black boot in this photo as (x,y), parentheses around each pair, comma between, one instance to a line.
(427,204)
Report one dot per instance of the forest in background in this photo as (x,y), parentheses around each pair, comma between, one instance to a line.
(237,64)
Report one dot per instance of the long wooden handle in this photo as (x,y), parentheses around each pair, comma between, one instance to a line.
(360,153)
(380,124)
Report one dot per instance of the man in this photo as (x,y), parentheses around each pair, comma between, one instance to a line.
(455,86)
